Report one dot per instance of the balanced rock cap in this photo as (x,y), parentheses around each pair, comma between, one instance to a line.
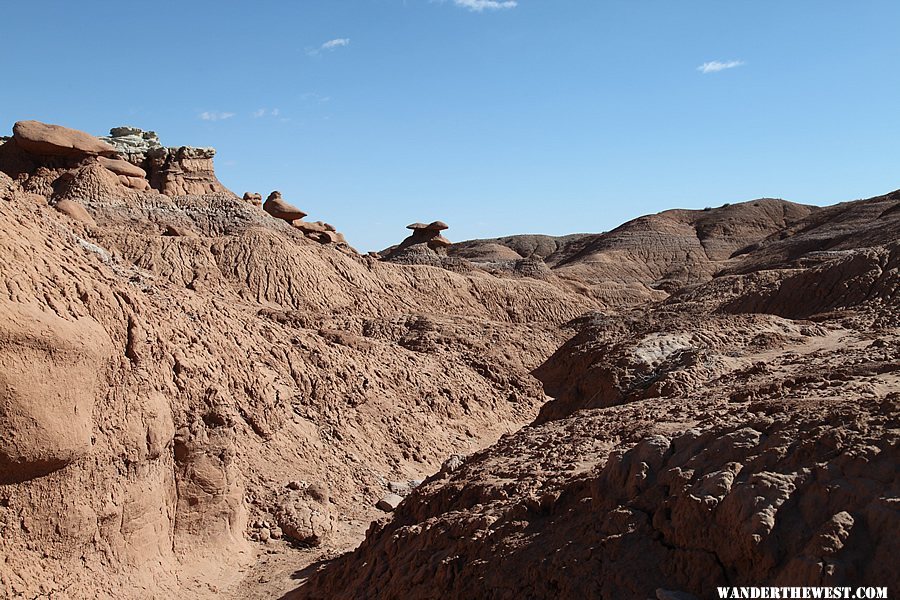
(280,209)
(417,226)
(55,140)
(437,226)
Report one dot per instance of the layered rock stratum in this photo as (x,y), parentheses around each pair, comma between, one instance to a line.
(199,398)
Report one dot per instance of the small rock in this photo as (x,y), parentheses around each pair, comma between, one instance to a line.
(294,485)
(264,534)
(453,463)
(319,492)
(389,502)
(276,533)
(75,211)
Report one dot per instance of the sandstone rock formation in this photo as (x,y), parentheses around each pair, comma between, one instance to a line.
(74,210)
(196,401)
(253,198)
(183,171)
(644,259)
(51,371)
(276,206)
(193,375)
(173,171)
(425,246)
(54,140)
(131,140)
(744,431)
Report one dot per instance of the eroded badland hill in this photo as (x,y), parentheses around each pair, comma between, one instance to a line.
(206,395)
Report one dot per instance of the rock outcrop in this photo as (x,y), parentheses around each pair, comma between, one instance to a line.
(174,171)
(54,140)
(188,377)
(279,208)
(742,433)
(425,246)
(197,401)
(183,171)
(253,198)
(130,141)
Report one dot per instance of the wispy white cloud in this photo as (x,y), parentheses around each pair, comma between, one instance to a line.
(265,112)
(337,43)
(330,45)
(482,5)
(215,115)
(714,66)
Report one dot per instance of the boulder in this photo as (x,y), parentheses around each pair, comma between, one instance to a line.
(304,517)
(121,167)
(308,227)
(54,140)
(278,208)
(389,502)
(136,183)
(50,373)
(253,198)
(75,211)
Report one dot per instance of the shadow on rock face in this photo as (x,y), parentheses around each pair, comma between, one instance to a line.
(48,380)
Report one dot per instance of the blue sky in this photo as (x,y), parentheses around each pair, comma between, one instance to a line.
(534,116)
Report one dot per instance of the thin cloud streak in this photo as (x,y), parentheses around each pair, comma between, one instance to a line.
(214,115)
(714,66)
(482,5)
(337,43)
(265,112)
(330,45)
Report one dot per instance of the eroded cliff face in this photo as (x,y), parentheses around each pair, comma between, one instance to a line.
(176,368)
(198,400)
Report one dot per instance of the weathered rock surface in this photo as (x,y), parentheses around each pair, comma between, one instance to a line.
(644,259)
(690,444)
(51,368)
(276,206)
(74,210)
(54,140)
(183,171)
(172,378)
(426,246)
(253,198)
(208,370)
(131,140)
(121,167)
